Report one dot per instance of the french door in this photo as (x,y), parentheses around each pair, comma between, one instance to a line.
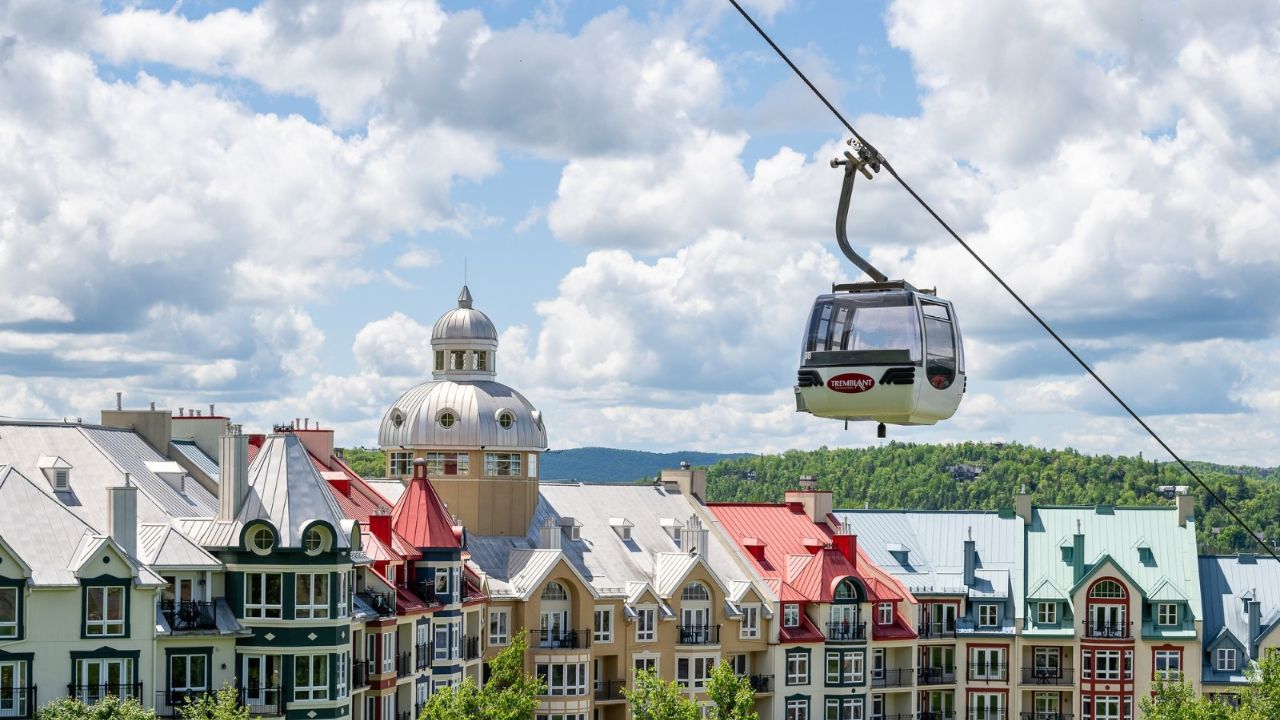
(101,677)
(262,679)
(694,625)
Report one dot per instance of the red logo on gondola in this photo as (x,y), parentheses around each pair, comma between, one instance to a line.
(851,383)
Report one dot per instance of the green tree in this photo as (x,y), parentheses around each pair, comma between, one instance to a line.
(510,694)
(732,694)
(366,463)
(653,699)
(221,705)
(1179,701)
(1261,699)
(108,708)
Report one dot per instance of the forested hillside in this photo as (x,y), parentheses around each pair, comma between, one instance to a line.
(986,476)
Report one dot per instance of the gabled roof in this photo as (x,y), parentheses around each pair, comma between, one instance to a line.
(285,489)
(52,536)
(1045,589)
(163,547)
(1225,581)
(420,518)
(1166,591)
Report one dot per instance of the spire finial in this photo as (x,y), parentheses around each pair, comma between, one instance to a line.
(464,297)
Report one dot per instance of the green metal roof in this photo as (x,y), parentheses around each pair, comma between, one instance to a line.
(1169,572)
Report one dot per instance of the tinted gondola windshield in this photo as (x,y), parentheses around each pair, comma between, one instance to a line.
(939,335)
(870,322)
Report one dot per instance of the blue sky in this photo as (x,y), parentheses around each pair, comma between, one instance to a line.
(266,206)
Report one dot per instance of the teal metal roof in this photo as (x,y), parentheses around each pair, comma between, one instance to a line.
(1147,544)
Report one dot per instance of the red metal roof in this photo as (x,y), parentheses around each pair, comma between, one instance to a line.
(420,518)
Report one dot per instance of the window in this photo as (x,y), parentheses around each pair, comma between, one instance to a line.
(346,583)
(563,678)
(740,664)
(1107,707)
(845,591)
(1168,664)
(443,645)
(311,596)
(1108,590)
(457,359)
(401,463)
(13,690)
(104,611)
(648,664)
(877,664)
(797,668)
(603,632)
(99,677)
(447,419)
(1166,614)
(986,706)
(313,542)
(262,595)
(844,709)
(502,464)
(646,624)
(188,673)
(261,540)
(1106,665)
(1047,613)
(1225,659)
(439,359)
(8,612)
(448,463)
(884,613)
(506,419)
(986,663)
(1047,663)
(987,616)
(797,709)
(442,585)
(389,643)
(499,627)
(693,672)
(344,670)
(696,592)
(845,667)
(749,629)
(311,677)
(790,615)
(480,361)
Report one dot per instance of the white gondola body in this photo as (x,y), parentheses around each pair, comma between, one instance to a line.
(885,356)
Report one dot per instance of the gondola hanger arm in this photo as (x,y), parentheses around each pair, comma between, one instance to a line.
(867,162)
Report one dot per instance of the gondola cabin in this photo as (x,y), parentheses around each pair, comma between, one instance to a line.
(885,352)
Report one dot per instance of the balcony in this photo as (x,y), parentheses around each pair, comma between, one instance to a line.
(937,630)
(18,702)
(359,674)
(263,701)
(560,639)
(986,714)
(91,694)
(471,647)
(404,664)
(761,684)
(1048,676)
(382,603)
(905,677)
(935,676)
(609,690)
(698,635)
(989,672)
(1108,630)
(188,615)
(845,631)
(1044,716)
(422,655)
(936,715)
(423,590)
(169,703)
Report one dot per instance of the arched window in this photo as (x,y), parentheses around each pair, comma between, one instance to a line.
(846,591)
(1108,590)
(695,591)
(554,591)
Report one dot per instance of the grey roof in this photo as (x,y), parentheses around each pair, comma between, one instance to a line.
(132,453)
(611,565)
(1224,583)
(285,489)
(193,454)
(935,550)
(164,547)
(476,404)
(388,488)
(44,535)
(464,322)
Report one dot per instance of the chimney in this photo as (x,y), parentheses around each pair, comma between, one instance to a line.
(153,404)
(816,503)
(970,559)
(420,469)
(549,535)
(233,472)
(380,527)
(1022,505)
(211,410)
(808,482)
(1186,508)
(119,401)
(694,537)
(1077,555)
(182,411)
(847,544)
(1255,626)
(318,443)
(688,482)
(122,516)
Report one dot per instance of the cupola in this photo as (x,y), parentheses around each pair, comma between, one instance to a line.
(464,343)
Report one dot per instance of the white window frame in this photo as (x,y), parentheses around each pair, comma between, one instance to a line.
(344,594)
(993,659)
(1228,654)
(400,463)
(602,632)
(749,628)
(9,627)
(108,625)
(15,704)
(1167,614)
(493,461)
(985,610)
(797,709)
(500,635)
(186,683)
(884,613)
(1113,659)
(308,583)
(440,631)
(644,662)
(1046,613)
(564,679)
(264,610)
(342,686)
(694,670)
(799,675)
(388,641)
(843,708)
(437,462)
(791,615)
(646,624)
(1169,659)
(988,709)
(311,691)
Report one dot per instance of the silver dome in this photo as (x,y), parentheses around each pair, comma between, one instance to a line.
(477,406)
(464,323)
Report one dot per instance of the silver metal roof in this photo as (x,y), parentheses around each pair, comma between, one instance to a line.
(476,406)
(1224,584)
(37,528)
(193,454)
(285,489)
(464,323)
(164,547)
(132,454)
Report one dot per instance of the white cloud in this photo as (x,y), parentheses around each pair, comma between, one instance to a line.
(395,345)
(417,259)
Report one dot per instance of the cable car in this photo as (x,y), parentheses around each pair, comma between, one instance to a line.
(883,350)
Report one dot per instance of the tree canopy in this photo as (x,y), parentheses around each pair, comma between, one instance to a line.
(510,693)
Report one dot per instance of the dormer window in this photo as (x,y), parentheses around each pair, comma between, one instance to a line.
(884,613)
(622,527)
(1068,554)
(506,419)
(1166,614)
(572,528)
(57,471)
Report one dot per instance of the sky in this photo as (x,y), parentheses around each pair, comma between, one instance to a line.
(265,206)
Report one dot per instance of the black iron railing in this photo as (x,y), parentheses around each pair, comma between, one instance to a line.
(762,683)
(187,615)
(471,647)
(359,674)
(425,591)
(986,714)
(91,694)
(382,603)
(698,635)
(263,701)
(422,655)
(18,702)
(1108,630)
(1047,676)
(403,715)
(937,629)
(607,690)
(845,630)
(1033,715)
(404,664)
(561,639)
(936,715)
(988,671)
(905,677)
(935,676)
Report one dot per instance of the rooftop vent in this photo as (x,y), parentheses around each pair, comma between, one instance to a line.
(621,526)
(57,471)
(571,528)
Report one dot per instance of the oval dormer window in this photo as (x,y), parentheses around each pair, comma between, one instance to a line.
(261,540)
(447,419)
(506,419)
(397,417)
(314,541)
